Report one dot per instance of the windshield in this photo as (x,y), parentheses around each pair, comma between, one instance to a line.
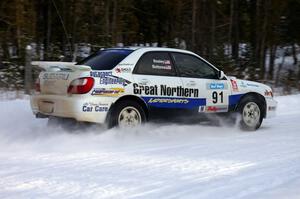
(105,59)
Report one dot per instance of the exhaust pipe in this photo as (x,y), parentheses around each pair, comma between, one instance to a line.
(41,115)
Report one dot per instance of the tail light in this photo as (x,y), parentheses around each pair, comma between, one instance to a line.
(37,85)
(81,86)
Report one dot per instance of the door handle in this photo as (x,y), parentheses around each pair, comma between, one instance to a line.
(191,83)
(143,82)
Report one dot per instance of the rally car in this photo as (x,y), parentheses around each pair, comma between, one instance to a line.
(127,86)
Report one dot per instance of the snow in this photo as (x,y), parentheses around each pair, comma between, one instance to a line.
(152,161)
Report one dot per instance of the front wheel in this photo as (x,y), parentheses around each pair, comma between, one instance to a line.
(251,111)
(127,114)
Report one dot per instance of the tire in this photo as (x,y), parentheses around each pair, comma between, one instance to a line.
(251,111)
(126,114)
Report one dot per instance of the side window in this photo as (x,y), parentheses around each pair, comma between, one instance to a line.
(191,66)
(155,63)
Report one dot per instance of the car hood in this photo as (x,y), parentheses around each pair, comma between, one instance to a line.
(252,86)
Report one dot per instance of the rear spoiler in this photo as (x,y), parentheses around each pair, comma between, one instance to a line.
(59,66)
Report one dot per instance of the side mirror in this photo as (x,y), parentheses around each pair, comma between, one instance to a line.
(221,74)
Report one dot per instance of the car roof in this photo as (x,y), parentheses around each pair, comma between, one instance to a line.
(147,49)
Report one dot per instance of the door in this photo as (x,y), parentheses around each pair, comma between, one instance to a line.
(156,81)
(197,74)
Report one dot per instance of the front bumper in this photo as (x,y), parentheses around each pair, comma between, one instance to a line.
(271,107)
(78,107)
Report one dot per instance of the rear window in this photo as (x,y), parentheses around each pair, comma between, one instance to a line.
(105,59)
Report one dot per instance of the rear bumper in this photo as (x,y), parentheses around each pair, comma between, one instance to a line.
(79,107)
(271,107)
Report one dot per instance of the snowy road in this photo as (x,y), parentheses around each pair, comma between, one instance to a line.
(153,161)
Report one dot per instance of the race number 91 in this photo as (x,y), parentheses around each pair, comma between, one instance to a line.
(217,97)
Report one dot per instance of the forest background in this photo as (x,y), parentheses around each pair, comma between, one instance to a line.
(250,39)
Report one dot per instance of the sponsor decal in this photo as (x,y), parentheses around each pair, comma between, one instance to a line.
(100,74)
(55,76)
(164,90)
(268,93)
(111,92)
(126,64)
(161,64)
(122,70)
(168,100)
(216,109)
(145,90)
(234,85)
(94,104)
(159,61)
(173,102)
(272,108)
(253,85)
(114,80)
(167,67)
(201,109)
(243,84)
(215,86)
(211,109)
(94,108)
(107,78)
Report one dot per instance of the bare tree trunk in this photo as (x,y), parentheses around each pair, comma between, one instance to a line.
(253,37)
(19,18)
(28,70)
(234,29)
(75,52)
(272,61)
(279,70)
(298,78)
(107,22)
(200,28)
(262,53)
(64,40)
(213,29)
(194,14)
(258,34)
(48,33)
(294,54)
(74,26)
(296,63)
(114,23)
(262,13)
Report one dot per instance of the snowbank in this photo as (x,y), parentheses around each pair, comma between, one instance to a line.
(153,161)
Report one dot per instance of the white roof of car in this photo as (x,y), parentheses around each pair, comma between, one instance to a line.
(147,49)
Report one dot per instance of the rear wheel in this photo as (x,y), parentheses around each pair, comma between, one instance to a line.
(251,111)
(127,114)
